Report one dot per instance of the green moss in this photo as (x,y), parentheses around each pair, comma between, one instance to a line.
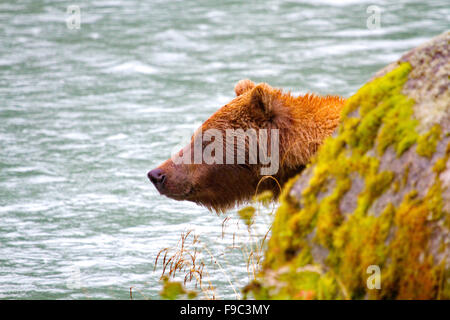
(434,195)
(399,125)
(426,144)
(376,184)
(385,114)
(247,214)
(265,197)
(376,117)
(411,273)
(280,243)
(173,290)
(441,164)
(405,175)
(358,244)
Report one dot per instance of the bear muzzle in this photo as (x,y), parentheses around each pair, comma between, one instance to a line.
(171,182)
(158,178)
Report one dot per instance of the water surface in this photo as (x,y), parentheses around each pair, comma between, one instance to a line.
(85,113)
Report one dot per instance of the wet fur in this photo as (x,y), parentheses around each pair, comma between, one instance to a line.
(303,123)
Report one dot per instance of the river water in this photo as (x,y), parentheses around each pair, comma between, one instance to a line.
(86,112)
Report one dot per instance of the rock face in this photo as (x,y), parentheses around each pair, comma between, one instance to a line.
(376,197)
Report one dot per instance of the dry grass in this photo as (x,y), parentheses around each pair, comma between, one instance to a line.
(192,262)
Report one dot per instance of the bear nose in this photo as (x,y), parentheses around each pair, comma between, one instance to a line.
(157,177)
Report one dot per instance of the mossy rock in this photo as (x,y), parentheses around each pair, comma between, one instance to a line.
(376,194)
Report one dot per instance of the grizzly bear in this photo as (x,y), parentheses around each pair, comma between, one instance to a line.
(222,167)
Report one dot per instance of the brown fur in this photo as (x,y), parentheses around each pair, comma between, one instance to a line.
(303,123)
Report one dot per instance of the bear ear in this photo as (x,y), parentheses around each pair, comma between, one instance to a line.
(243,86)
(264,100)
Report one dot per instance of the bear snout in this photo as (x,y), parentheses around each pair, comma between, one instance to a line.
(158,178)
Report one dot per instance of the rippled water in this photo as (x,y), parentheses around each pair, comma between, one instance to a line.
(84,114)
